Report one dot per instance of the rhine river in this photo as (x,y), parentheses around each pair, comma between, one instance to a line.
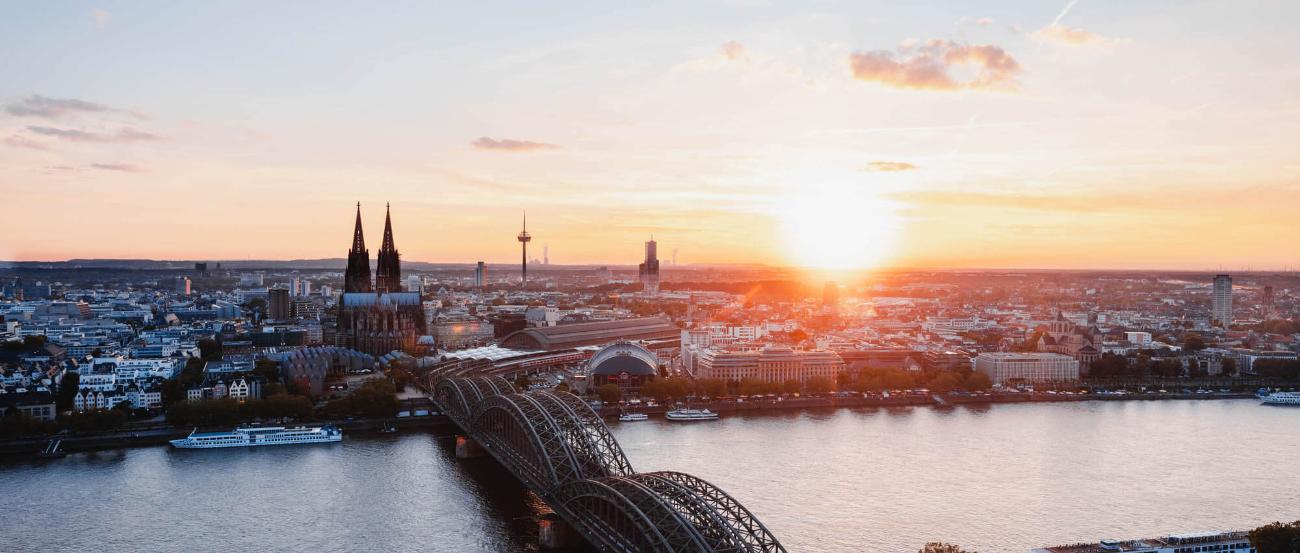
(1002,478)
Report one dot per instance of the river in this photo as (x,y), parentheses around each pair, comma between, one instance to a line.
(993,478)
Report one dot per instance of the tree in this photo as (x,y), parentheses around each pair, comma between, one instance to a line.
(609,393)
(1276,538)
(977,381)
(820,385)
(1228,366)
(938,547)
(791,386)
(209,349)
(68,390)
(1193,342)
(267,369)
(1108,366)
(945,382)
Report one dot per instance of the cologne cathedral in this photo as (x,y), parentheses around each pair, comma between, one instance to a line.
(377,318)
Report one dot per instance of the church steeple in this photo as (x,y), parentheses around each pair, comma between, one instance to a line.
(388,272)
(358,237)
(388,230)
(357,276)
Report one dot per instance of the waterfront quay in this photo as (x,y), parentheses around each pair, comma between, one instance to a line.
(161,434)
(905,399)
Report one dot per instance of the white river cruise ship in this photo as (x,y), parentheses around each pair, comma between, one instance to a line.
(1282,398)
(1216,542)
(263,435)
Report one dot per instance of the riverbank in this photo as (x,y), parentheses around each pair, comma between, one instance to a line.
(912,399)
(160,434)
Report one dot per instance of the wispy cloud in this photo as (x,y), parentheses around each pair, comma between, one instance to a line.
(985,21)
(1059,33)
(1035,202)
(511,145)
(52,108)
(24,142)
(889,166)
(73,135)
(101,17)
(926,66)
(123,167)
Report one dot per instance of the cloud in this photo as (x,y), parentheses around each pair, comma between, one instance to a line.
(927,66)
(1034,202)
(1061,34)
(101,17)
(52,108)
(72,135)
(124,167)
(734,51)
(889,166)
(985,21)
(511,145)
(24,142)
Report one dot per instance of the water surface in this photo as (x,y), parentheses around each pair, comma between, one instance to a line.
(994,479)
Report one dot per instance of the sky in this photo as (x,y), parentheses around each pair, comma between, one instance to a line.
(1031,134)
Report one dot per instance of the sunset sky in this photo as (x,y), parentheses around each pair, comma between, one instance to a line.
(1121,134)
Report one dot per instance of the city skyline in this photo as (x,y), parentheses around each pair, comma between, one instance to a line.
(1045,135)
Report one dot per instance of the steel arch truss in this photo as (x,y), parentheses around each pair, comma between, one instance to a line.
(687,514)
(460,398)
(562,450)
(541,437)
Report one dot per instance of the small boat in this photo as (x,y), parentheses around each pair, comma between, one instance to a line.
(1282,398)
(388,429)
(691,415)
(630,417)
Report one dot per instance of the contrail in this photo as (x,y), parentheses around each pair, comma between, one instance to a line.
(1067,9)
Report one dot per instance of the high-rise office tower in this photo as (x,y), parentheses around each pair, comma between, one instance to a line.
(414,284)
(649,269)
(831,294)
(1222,305)
(546,254)
(480,275)
(183,285)
(1268,301)
(356,278)
(278,304)
(388,270)
(524,239)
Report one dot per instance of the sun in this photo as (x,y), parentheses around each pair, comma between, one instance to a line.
(825,229)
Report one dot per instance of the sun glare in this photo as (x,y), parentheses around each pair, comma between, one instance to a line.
(837,230)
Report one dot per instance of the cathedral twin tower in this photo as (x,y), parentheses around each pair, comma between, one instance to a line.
(377,318)
(388,273)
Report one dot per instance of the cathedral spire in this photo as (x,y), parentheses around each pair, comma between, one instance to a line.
(358,237)
(356,278)
(388,231)
(388,270)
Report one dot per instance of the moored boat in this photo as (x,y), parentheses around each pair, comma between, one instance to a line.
(691,415)
(630,417)
(257,436)
(1282,398)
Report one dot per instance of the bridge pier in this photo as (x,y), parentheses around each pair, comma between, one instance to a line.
(554,533)
(467,448)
